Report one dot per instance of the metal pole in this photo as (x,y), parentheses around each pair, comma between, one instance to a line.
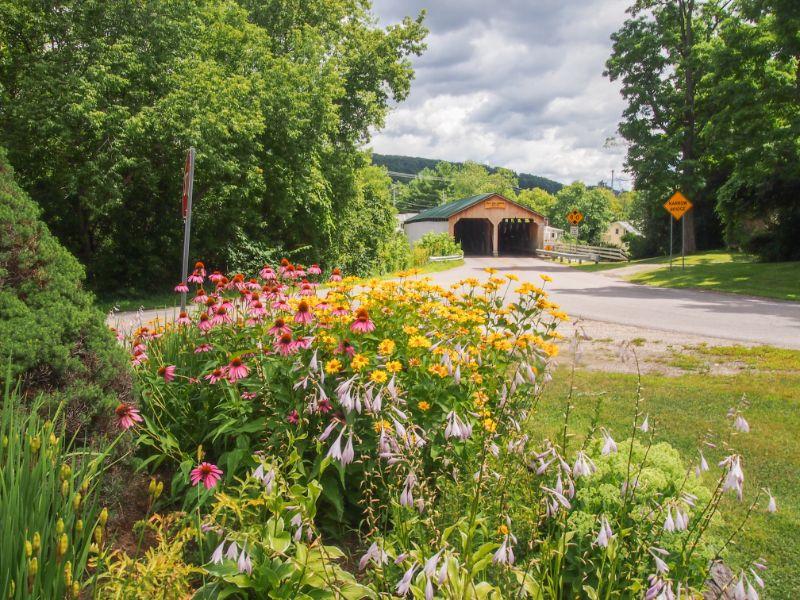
(683,234)
(670,242)
(187,226)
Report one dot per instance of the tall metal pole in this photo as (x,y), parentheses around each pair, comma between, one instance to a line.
(683,235)
(187,226)
(670,242)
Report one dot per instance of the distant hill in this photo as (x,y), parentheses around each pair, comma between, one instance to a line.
(415,164)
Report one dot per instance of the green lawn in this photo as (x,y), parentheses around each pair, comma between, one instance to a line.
(728,272)
(136,300)
(684,409)
(607,266)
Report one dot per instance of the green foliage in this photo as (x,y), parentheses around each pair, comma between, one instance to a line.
(278,98)
(48,499)
(395,254)
(537,199)
(57,341)
(595,204)
(438,244)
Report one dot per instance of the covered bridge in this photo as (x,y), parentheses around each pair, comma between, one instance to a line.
(488,224)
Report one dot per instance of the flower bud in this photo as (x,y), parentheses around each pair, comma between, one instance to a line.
(28,549)
(64,488)
(98,535)
(53,439)
(68,574)
(12,587)
(35,443)
(151,489)
(60,526)
(76,589)
(103,517)
(76,501)
(33,567)
(159,489)
(5,445)
(66,471)
(37,541)
(79,526)
(63,546)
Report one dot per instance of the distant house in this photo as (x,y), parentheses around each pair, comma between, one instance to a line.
(403,217)
(617,230)
(487,224)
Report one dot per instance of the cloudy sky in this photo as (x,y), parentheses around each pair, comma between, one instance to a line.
(513,83)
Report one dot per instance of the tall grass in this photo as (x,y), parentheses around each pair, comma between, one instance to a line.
(49,516)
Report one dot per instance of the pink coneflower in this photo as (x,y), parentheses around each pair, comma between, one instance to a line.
(221,316)
(203,348)
(167,372)
(279,328)
(345,347)
(252,285)
(290,272)
(303,314)
(293,418)
(216,276)
(314,269)
(284,264)
(198,274)
(205,323)
(336,275)
(249,395)
(183,318)
(340,311)
(139,356)
(362,324)
(324,406)
(267,273)
(257,309)
(285,345)
(207,474)
(281,303)
(127,416)
(215,376)
(200,297)
(236,369)
(306,289)
(303,343)
(182,287)
(300,270)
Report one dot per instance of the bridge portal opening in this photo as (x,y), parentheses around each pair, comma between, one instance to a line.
(474,235)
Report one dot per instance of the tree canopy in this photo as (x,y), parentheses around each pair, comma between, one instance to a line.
(100,99)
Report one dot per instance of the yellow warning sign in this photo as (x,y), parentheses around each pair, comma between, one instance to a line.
(574,217)
(678,205)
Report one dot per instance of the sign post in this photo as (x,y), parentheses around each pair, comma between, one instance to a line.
(678,205)
(188,184)
(574,217)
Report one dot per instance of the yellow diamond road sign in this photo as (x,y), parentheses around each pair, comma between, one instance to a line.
(574,217)
(678,205)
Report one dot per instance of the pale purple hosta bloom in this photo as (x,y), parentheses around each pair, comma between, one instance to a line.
(457,428)
(335,450)
(543,466)
(669,523)
(267,479)
(297,521)
(558,497)
(645,426)
(407,498)
(505,553)
(430,565)
(772,505)
(405,583)
(328,430)
(443,573)
(734,479)
(605,534)
(233,551)
(740,424)
(757,579)
(703,462)
(609,445)
(401,558)
(216,557)
(661,566)
(659,589)
(348,454)
(583,466)
(244,564)
(429,595)
(375,554)
(457,375)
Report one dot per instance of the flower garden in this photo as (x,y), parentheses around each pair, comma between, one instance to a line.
(305,435)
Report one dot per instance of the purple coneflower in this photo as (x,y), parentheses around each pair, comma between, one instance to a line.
(127,416)
(182,288)
(206,473)
(336,275)
(236,370)
(303,314)
(362,324)
(203,348)
(167,372)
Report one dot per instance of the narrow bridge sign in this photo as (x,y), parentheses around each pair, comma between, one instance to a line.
(678,205)
(574,217)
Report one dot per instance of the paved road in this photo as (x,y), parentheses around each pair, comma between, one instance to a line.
(603,297)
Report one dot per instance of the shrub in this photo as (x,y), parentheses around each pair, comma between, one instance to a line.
(439,244)
(394,254)
(57,341)
(48,503)
(420,256)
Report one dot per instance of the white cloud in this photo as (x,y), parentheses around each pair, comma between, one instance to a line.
(516,83)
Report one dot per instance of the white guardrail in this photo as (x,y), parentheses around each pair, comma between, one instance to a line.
(446,258)
(603,253)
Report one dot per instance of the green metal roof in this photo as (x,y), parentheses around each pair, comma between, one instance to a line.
(445,211)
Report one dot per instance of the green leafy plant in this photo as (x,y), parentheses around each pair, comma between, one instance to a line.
(439,244)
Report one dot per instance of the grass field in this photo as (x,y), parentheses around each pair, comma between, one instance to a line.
(684,409)
(608,266)
(729,272)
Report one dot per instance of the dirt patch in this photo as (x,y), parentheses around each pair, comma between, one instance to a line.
(609,347)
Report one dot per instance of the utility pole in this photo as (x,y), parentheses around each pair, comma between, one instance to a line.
(612,180)
(188,185)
